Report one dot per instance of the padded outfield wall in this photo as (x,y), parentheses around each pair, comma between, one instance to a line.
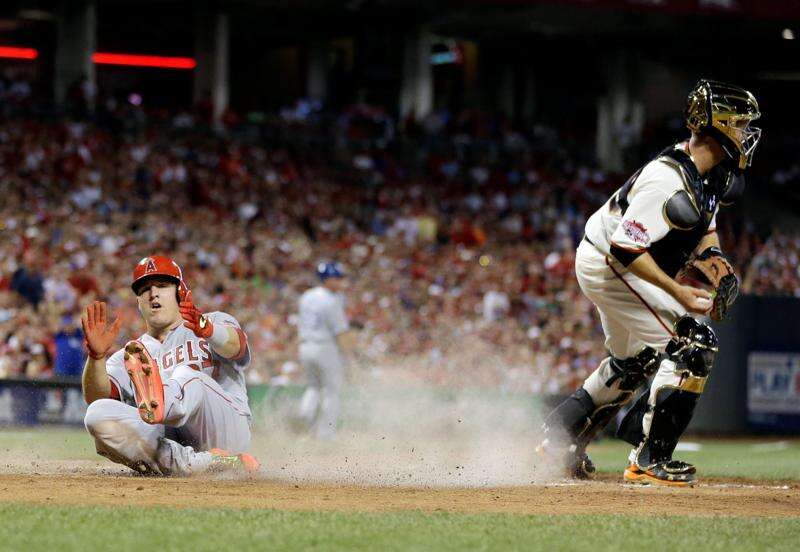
(755,385)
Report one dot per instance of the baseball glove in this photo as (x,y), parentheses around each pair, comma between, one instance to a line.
(711,268)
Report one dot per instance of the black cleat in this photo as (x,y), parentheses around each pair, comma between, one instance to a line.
(672,473)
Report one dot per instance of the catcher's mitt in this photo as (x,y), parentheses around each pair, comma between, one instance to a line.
(712,269)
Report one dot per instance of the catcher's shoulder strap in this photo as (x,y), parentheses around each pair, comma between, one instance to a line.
(682,162)
(682,209)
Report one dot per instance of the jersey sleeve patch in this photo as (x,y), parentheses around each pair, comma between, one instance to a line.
(637,232)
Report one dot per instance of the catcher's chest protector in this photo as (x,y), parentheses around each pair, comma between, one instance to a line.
(689,212)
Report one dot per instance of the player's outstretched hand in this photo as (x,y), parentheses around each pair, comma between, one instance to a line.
(695,300)
(194,319)
(98,334)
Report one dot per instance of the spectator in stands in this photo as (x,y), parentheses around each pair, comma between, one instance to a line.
(70,354)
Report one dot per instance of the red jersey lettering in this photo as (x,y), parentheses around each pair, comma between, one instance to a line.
(190,351)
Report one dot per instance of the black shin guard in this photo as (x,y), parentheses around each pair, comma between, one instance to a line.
(693,350)
(673,411)
(579,419)
(630,429)
(565,432)
(572,415)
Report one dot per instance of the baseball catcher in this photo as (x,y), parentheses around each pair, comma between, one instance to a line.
(649,260)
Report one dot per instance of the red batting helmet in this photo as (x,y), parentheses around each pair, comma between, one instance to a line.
(158,265)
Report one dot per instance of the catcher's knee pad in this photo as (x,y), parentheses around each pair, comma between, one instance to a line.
(694,347)
(634,371)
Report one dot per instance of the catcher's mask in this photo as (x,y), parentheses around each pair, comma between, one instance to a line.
(695,344)
(724,112)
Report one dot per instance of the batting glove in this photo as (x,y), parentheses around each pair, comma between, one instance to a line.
(194,319)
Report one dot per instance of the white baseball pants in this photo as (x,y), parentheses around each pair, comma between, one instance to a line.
(199,416)
(634,314)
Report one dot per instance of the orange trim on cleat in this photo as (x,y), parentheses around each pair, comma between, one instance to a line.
(244,461)
(634,474)
(250,463)
(146,379)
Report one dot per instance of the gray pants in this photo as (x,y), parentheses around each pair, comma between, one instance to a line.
(200,415)
(320,404)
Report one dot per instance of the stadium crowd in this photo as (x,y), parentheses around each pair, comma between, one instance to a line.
(457,234)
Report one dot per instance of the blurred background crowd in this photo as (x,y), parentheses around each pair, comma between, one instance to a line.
(457,232)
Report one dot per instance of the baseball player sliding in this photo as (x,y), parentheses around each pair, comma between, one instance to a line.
(643,259)
(172,401)
(325,336)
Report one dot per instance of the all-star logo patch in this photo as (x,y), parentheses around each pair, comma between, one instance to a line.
(637,232)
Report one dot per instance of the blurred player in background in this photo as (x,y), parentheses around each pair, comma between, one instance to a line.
(659,223)
(325,338)
(174,400)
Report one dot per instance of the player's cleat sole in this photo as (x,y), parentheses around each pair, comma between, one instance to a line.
(146,379)
(657,476)
(226,461)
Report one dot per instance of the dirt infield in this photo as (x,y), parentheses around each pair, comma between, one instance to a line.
(609,496)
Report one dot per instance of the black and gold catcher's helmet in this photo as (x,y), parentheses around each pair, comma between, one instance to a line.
(725,111)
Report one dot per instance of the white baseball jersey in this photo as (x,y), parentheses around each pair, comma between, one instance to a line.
(322,316)
(181,346)
(644,221)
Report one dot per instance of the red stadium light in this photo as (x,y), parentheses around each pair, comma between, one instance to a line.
(11,52)
(133,60)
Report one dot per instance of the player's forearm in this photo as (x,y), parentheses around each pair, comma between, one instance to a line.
(95,382)
(228,342)
(709,240)
(645,267)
